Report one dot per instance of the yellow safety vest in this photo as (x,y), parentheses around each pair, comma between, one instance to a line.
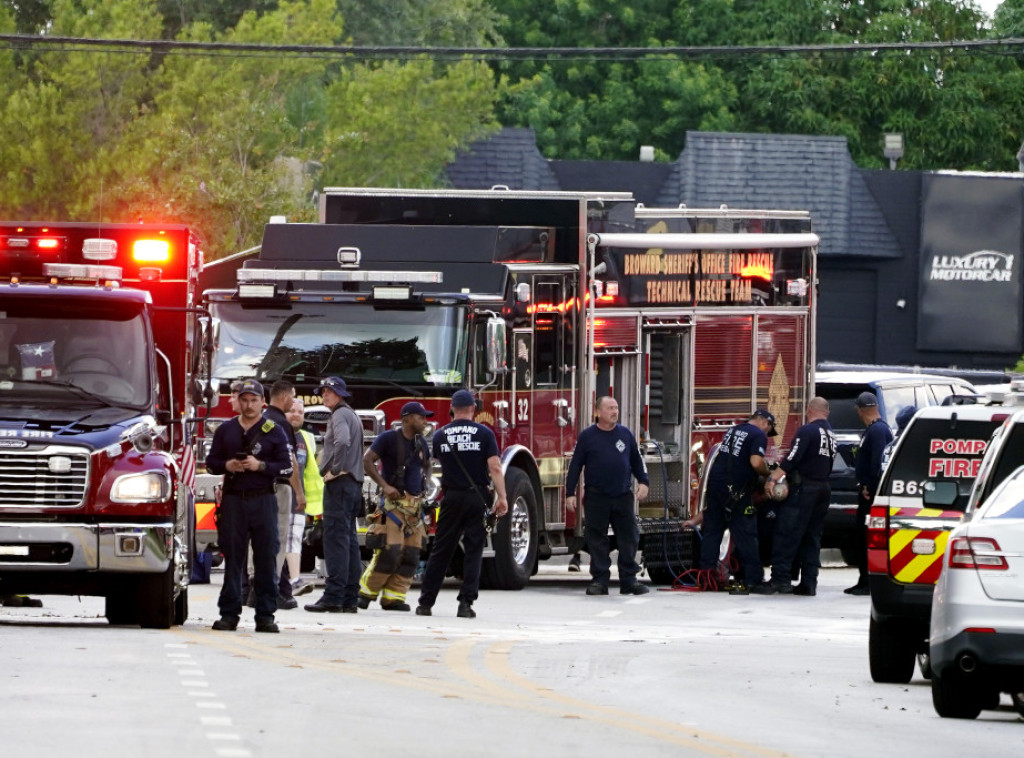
(312,482)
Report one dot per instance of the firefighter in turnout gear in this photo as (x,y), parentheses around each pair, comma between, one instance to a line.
(397,524)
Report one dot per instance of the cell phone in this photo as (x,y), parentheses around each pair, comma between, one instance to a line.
(241,456)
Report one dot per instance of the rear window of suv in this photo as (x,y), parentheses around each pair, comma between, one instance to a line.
(938,450)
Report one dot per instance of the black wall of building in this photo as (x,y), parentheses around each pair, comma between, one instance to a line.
(860,316)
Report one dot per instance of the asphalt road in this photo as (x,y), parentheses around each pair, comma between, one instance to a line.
(544,671)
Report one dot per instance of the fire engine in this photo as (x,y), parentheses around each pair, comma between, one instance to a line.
(540,302)
(98,340)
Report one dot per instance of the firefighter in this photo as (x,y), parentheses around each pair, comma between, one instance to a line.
(251,452)
(740,460)
(801,518)
(607,454)
(405,463)
(877,435)
(468,452)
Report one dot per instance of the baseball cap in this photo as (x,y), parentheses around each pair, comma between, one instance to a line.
(334,383)
(252,387)
(866,400)
(903,417)
(410,408)
(463,399)
(767,415)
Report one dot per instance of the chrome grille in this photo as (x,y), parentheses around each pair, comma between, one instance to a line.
(26,479)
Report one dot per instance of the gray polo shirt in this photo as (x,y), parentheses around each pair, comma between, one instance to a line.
(343,444)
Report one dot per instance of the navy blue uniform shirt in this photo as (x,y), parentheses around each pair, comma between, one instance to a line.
(473,443)
(740,443)
(276,415)
(611,459)
(812,452)
(869,454)
(416,459)
(270,445)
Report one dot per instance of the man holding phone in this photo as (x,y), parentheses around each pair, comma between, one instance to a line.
(251,452)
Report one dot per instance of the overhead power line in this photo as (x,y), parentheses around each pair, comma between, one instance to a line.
(1013,45)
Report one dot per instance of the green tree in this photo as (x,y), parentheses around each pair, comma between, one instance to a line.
(70,105)
(398,124)
(954,109)
(605,109)
(217,147)
(1009,19)
(456,23)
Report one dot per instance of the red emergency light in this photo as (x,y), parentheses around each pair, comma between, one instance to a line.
(759,271)
(151,251)
(25,243)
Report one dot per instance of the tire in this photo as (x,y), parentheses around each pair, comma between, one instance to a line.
(181,607)
(661,575)
(891,652)
(119,606)
(953,698)
(1018,702)
(924,665)
(156,603)
(850,556)
(515,537)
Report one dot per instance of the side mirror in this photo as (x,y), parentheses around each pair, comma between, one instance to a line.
(940,493)
(496,347)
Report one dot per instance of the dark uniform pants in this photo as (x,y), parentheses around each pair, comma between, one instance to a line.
(742,528)
(601,511)
(239,521)
(461,515)
(800,522)
(860,543)
(343,500)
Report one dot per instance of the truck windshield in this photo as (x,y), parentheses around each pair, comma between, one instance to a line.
(78,348)
(309,341)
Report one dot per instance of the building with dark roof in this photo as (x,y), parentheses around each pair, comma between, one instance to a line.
(904,255)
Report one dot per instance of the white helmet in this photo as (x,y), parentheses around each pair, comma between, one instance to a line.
(779,490)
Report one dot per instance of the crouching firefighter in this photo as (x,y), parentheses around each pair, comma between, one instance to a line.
(396,528)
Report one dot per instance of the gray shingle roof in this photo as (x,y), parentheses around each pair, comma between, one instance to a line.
(764,171)
(510,157)
(784,172)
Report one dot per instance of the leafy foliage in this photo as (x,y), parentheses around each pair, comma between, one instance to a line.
(220,141)
(956,109)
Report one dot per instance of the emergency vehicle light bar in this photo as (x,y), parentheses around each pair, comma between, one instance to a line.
(82,271)
(269,275)
(704,241)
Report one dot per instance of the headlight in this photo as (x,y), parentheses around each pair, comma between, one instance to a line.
(151,487)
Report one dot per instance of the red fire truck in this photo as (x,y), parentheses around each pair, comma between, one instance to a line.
(540,302)
(98,339)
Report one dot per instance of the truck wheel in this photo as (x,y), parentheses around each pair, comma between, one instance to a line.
(181,607)
(850,556)
(660,575)
(119,607)
(891,652)
(924,665)
(515,536)
(1018,702)
(953,698)
(156,600)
